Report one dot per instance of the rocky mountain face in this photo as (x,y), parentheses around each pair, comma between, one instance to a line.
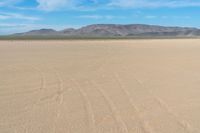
(114,30)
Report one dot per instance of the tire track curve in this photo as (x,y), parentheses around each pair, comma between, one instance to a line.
(88,106)
(186,126)
(59,99)
(145,125)
(183,123)
(120,123)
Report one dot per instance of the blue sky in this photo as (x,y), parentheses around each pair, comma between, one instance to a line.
(24,15)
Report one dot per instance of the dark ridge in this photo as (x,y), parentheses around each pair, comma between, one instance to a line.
(116,31)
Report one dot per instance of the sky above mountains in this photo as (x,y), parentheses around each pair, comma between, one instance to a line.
(24,15)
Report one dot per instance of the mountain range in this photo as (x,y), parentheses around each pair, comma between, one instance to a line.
(117,30)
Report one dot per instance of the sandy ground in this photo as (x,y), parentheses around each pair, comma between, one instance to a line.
(141,86)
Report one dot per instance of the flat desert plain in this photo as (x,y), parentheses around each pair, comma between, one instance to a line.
(114,86)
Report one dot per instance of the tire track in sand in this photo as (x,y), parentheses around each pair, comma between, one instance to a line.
(42,83)
(41,88)
(120,123)
(145,125)
(43,80)
(59,99)
(186,126)
(183,124)
(88,106)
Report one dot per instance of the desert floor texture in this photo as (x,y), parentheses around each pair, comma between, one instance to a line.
(114,86)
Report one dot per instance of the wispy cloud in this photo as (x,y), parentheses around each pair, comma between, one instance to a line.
(166,17)
(9,28)
(150,17)
(9,2)
(100,17)
(11,25)
(23,8)
(153,3)
(4,16)
(50,5)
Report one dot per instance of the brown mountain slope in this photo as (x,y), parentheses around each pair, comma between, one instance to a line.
(114,30)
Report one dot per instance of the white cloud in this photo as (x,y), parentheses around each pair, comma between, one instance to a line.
(150,17)
(8,28)
(10,25)
(166,17)
(98,17)
(4,16)
(101,17)
(50,5)
(153,3)
(9,2)
(90,17)
(182,17)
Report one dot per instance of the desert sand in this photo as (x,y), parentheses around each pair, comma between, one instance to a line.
(113,86)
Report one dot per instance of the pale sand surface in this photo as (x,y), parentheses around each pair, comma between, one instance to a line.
(127,86)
